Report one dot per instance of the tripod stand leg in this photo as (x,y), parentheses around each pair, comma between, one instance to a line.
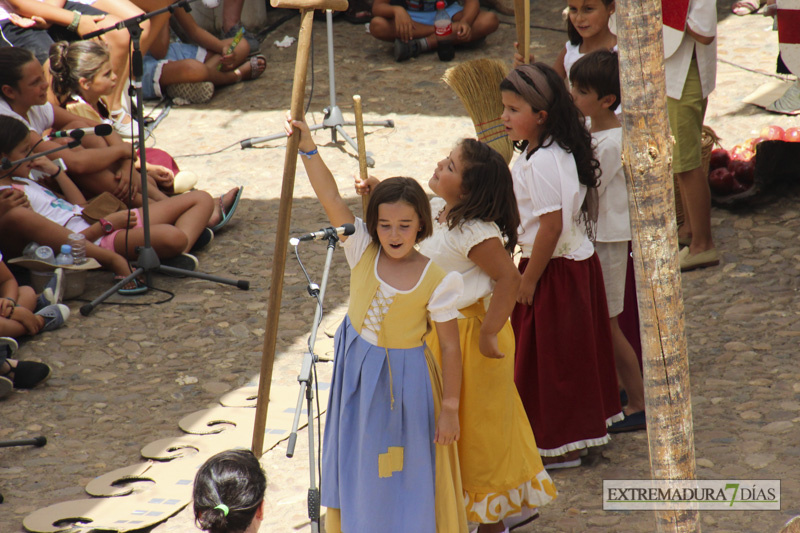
(88,308)
(241,283)
(340,129)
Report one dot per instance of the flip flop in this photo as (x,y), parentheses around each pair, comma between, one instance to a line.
(138,287)
(226,216)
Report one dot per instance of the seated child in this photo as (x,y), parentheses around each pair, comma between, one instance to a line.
(23,312)
(229,493)
(175,223)
(409,23)
(190,71)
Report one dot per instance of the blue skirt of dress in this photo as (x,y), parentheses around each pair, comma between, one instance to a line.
(378,454)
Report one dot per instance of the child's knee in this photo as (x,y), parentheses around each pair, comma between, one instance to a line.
(381,28)
(170,241)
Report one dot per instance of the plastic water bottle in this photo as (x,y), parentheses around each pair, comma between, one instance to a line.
(45,253)
(65,257)
(29,252)
(444,33)
(78,243)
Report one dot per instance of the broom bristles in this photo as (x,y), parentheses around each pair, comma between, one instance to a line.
(477,84)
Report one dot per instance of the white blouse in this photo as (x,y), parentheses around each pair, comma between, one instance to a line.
(613,218)
(547,182)
(442,304)
(449,248)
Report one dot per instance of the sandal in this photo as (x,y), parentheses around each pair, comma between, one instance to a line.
(227,215)
(133,288)
(258,64)
(747,7)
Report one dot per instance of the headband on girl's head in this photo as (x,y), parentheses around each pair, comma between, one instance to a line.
(531,83)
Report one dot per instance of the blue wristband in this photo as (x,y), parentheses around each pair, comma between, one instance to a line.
(307,154)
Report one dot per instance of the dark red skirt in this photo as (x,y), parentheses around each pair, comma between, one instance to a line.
(564,368)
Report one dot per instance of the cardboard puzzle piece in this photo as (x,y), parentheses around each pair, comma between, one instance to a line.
(140,496)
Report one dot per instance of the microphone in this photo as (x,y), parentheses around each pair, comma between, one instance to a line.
(325,233)
(101,130)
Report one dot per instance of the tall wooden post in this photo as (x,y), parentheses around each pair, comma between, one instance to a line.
(647,157)
(285,210)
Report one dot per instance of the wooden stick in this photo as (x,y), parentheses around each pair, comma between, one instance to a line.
(282,237)
(647,153)
(362,150)
(522,18)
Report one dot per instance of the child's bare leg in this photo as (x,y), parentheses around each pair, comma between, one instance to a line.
(189,212)
(27,298)
(229,77)
(383,29)
(627,369)
(166,239)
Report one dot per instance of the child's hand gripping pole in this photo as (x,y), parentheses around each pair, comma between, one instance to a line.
(362,151)
(234,44)
(522,17)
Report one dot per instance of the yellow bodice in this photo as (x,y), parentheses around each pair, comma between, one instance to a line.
(406,322)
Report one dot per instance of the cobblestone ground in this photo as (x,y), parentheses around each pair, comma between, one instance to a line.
(123,377)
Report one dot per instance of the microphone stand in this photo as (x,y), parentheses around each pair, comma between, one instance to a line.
(306,380)
(148,260)
(333,118)
(5,164)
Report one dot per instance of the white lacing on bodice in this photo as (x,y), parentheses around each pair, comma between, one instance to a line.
(377,311)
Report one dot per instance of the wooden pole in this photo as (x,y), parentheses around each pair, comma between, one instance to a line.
(522,18)
(647,154)
(362,150)
(282,237)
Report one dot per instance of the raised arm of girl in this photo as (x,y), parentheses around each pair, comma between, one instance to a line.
(320,176)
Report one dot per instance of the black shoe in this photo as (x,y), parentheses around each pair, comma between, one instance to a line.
(203,240)
(182,261)
(403,51)
(28,374)
(633,422)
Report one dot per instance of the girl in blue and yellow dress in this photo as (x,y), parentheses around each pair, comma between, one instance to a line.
(474,230)
(389,459)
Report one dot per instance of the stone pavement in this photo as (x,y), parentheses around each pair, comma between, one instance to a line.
(124,376)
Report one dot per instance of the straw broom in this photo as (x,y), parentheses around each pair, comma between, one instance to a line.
(477,84)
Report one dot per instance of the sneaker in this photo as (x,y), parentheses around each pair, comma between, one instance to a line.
(124,129)
(53,291)
(182,262)
(6,386)
(203,240)
(403,51)
(8,347)
(54,316)
(27,374)
(198,92)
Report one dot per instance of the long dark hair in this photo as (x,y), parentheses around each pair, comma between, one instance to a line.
(228,489)
(488,190)
(399,189)
(572,32)
(12,60)
(566,127)
(12,132)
